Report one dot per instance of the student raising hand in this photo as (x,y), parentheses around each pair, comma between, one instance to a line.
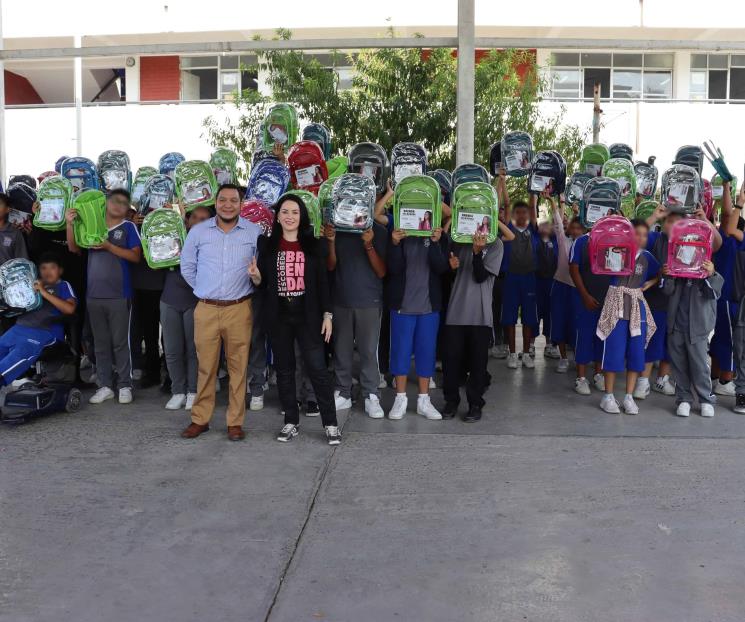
(454,262)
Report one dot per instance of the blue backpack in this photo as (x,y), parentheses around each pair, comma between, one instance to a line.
(319,134)
(168,162)
(269,180)
(81,172)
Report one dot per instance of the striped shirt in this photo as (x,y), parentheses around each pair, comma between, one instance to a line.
(215,263)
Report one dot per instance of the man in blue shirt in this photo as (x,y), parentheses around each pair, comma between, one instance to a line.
(109,296)
(214,262)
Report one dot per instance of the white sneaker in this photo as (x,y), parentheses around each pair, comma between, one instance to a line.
(342,403)
(609,404)
(125,395)
(177,401)
(641,390)
(629,405)
(190,397)
(512,360)
(599,381)
(382,384)
(727,388)
(103,394)
(256,403)
(424,407)
(400,404)
(664,386)
(528,361)
(531,350)
(499,352)
(707,410)
(373,407)
(684,410)
(563,366)
(581,386)
(552,352)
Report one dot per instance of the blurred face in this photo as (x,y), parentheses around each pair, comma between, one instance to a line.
(521,216)
(289,216)
(575,230)
(544,229)
(4,209)
(641,234)
(670,220)
(50,273)
(228,205)
(117,206)
(196,216)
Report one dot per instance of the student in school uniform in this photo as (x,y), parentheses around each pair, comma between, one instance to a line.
(562,288)
(469,320)
(109,294)
(691,316)
(547,260)
(733,222)
(12,242)
(588,297)
(626,324)
(519,289)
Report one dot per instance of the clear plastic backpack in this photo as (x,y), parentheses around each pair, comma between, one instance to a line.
(17,277)
(353,203)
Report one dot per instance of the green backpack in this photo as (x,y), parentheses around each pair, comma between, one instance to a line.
(645,209)
(312,203)
(717,191)
(592,159)
(196,185)
(138,183)
(279,126)
(54,197)
(417,205)
(163,234)
(337,166)
(475,210)
(90,226)
(622,170)
(224,164)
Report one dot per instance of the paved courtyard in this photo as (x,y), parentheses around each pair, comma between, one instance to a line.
(547,510)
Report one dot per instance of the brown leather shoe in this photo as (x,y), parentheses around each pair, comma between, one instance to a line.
(194,430)
(236,433)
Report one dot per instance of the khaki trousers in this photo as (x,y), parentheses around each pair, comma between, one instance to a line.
(231,327)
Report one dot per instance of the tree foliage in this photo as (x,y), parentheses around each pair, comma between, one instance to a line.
(401,94)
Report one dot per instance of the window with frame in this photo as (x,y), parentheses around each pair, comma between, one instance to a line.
(718,77)
(217,77)
(620,75)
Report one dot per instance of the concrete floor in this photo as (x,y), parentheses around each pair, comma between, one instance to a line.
(547,510)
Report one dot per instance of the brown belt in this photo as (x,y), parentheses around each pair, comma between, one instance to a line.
(224,303)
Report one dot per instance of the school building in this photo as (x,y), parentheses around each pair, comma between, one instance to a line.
(668,75)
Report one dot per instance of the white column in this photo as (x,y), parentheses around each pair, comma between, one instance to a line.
(466,88)
(78,100)
(3,179)
(132,79)
(682,75)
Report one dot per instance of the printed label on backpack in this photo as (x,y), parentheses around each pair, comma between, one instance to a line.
(686,254)
(415,219)
(17,217)
(594,169)
(595,212)
(614,260)
(625,186)
(368,169)
(470,223)
(402,171)
(516,160)
(137,191)
(717,192)
(680,194)
(51,210)
(278,133)
(645,186)
(222,176)
(307,176)
(539,183)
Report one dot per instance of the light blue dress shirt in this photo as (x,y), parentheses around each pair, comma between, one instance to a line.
(215,263)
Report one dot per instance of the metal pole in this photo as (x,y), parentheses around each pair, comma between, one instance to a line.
(466,90)
(2,102)
(78,100)
(596,112)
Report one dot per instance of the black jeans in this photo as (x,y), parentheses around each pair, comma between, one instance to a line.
(145,327)
(499,337)
(286,330)
(466,351)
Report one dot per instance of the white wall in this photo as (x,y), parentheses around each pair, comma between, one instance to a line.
(37,137)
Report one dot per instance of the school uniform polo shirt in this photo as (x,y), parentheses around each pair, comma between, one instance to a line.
(110,276)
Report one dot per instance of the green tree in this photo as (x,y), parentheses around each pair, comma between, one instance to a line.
(401,94)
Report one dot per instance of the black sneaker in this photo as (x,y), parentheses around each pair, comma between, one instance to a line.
(312,410)
(473,414)
(450,410)
(333,434)
(287,433)
(740,404)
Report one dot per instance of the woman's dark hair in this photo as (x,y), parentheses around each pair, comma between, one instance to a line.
(305,230)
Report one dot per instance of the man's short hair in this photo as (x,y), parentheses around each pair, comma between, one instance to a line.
(120,192)
(640,222)
(519,204)
(50,257)
(230,187)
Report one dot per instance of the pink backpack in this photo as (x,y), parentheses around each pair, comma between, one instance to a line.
(613,247)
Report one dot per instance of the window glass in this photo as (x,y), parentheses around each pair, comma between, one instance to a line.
(199,84)
(627,84)
(249,80)
(229,84)
(229,62)
(737,83)
(627,60)
(658,84)
(596,60)
(717,61)
(564,59)
(698,61)
(658,61)
(698,85)
(601,76)
(737,60)
(565,82)
(717,85)
(198,61)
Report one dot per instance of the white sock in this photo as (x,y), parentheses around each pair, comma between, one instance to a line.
(629,396)
(400,394)
(423,396)
(609,395)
